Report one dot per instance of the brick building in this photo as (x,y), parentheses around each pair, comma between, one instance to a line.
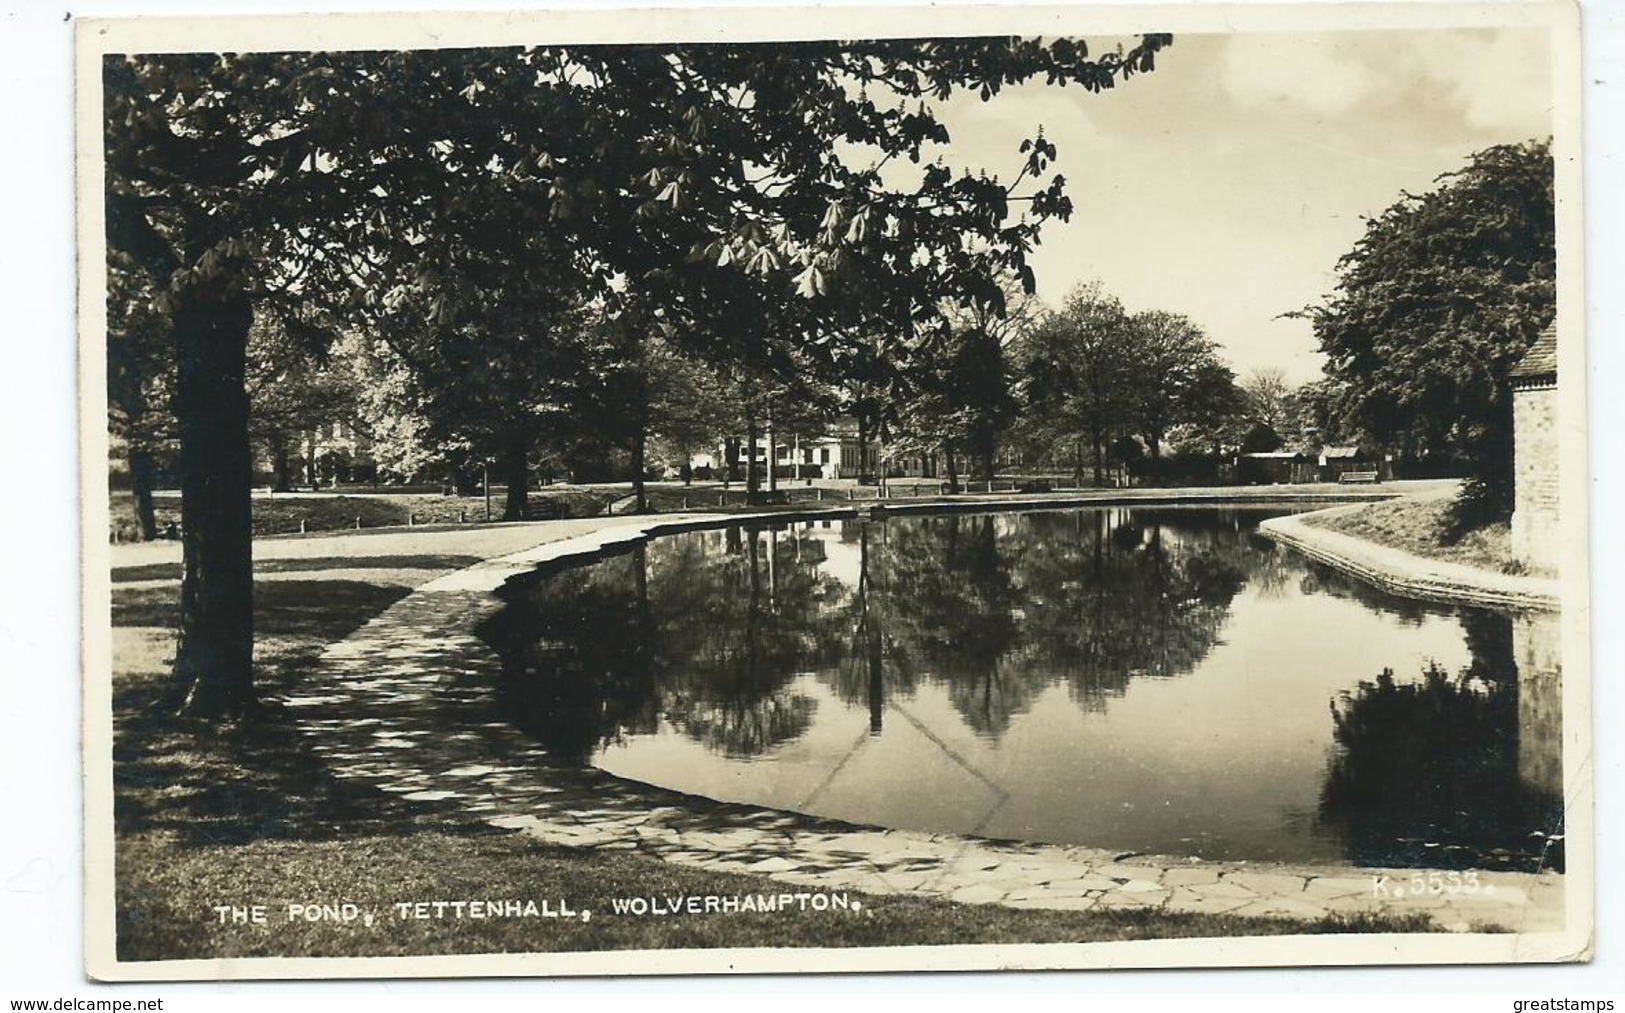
(1535,454)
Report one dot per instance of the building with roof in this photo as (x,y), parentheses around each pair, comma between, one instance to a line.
(1339,463)
(1535,514)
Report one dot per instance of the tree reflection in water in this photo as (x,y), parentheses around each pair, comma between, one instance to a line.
(1318,578)
(1427,773)
(709,630)
(706,632)
(1130,594)
(730,639)
(570,691)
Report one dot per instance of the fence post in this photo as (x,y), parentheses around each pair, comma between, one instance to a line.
(358,522)
(301,525)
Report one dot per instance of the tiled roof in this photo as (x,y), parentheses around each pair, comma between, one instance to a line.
(1541,359)
(1340,453)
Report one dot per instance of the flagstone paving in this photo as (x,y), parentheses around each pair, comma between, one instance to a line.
(406,703)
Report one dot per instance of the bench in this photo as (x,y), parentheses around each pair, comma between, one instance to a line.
(1358,476)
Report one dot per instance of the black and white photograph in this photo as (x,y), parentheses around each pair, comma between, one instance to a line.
(847,489)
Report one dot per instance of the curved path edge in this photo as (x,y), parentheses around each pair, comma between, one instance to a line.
(404,704)
(1409,575)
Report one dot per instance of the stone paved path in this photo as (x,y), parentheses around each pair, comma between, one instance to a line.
(404,703)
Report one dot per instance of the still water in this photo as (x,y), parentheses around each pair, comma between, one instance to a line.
(1158,680)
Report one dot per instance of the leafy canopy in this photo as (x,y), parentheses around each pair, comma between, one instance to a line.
(1435,304)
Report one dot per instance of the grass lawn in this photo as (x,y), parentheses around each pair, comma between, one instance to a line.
(245,815)
(283,515)
(1419,526)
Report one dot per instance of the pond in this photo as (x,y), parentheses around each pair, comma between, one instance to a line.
(1152,680)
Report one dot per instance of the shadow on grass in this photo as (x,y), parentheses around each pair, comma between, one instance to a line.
(322,609)
(256,780)
(172,571)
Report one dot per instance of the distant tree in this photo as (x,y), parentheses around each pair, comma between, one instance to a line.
(691,407)
(1215,410)
(980,372)
(641,391)
(1319,415)
(1080,374)
(1260,438)
(486,389)
(1267,397)
(406,443)
(1174,367)
(959,403)
(1433,307)
(140,381)
(292,394)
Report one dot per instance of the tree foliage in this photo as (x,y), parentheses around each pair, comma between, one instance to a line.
(1435,304)
(1267,398)
(962,395)
(1079,367)
(1177,376)
(460,203)
(1106,379)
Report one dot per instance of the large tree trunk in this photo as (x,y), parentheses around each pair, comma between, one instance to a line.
(516,472)
(141,469)
(464,482)
(987,450)
(953,467)
(730,451)
(864,477)
(753,479)
(281,463)
(214,656)
(640,451)
(311,478)
(1098,438)
(772,456)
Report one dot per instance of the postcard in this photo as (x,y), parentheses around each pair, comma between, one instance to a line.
(684,490)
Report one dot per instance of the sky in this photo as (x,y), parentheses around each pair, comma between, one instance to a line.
(1226,184)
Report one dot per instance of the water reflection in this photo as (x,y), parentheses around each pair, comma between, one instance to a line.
(1155,680)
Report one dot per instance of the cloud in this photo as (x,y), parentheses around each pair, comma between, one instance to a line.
(1316,73)
(1490,82)
(1501,80)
